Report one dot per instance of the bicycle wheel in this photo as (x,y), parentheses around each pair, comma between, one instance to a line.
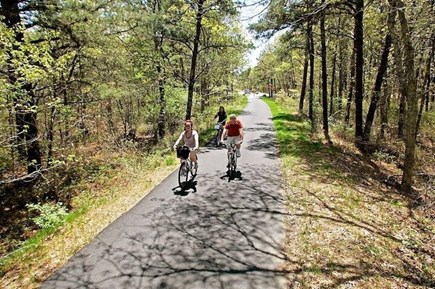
(216,139)
(183,175)
(219,135)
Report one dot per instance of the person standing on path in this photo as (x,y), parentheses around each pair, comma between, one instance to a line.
(233,130)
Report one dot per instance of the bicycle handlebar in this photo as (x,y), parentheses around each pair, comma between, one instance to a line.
(221,122)
(179,146)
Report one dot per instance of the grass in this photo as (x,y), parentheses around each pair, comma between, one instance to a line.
(345,228)
(101,198)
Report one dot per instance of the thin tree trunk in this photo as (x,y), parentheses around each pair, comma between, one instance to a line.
(50,135)
(31,135)
(377,89)
(195,52)
(158,43)
(342,67)
(384,105)
(401,117)
(12,133)
(162,102)
(311,84)
(324,79)
(305,73)
(426,85)
(359,68)
(399,66)
(332,93)
(350,89)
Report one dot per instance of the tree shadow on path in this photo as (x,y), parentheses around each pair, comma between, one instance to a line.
(228,236)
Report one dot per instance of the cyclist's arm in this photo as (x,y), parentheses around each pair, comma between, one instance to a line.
(224,133)
(178,140)
(241,134)
(196,136)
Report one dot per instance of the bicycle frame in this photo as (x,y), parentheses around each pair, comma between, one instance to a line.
(232,158)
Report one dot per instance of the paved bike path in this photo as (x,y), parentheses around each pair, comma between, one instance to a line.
(227,234)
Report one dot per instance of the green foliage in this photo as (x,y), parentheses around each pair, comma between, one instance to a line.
(49,215)
(384,156)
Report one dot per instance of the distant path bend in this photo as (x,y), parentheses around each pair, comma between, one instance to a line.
(229,234)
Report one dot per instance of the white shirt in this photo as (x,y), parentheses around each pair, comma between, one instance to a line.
(191,142)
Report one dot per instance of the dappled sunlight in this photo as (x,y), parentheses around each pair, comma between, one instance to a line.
(180,244)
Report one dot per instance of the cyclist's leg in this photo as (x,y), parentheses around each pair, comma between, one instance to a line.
(220,131)
(238,145)
(194,159)
(217,137)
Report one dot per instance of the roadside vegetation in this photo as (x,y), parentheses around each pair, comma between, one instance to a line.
(111,184)
(346,226)
(93,94)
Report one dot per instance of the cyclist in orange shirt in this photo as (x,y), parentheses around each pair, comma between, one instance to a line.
(233,130)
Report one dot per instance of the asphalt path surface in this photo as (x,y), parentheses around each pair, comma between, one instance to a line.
(220,233)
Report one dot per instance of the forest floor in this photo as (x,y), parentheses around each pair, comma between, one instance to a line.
(346,228)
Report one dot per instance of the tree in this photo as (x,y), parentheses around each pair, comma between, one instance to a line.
(379,79)
(358,46)
(24,98)
(408,88)
(305,73)
(324,78)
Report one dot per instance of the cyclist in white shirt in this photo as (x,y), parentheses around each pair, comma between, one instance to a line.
(190,139)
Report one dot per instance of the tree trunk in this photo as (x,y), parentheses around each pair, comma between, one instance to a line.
(311,85)
(408,85)
(332,93)
(304,77)
(162,102)
(324,78)
(195,52)
(359,67)
(401,118)
(158,43)
(342,73)
(350,89)
(384,107)
(31,134)
(426,85)
(24,98)
(50,135)
(377,89)
(399,66)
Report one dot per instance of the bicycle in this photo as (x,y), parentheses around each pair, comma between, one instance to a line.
(219,127)
(187,171)
(232,159)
